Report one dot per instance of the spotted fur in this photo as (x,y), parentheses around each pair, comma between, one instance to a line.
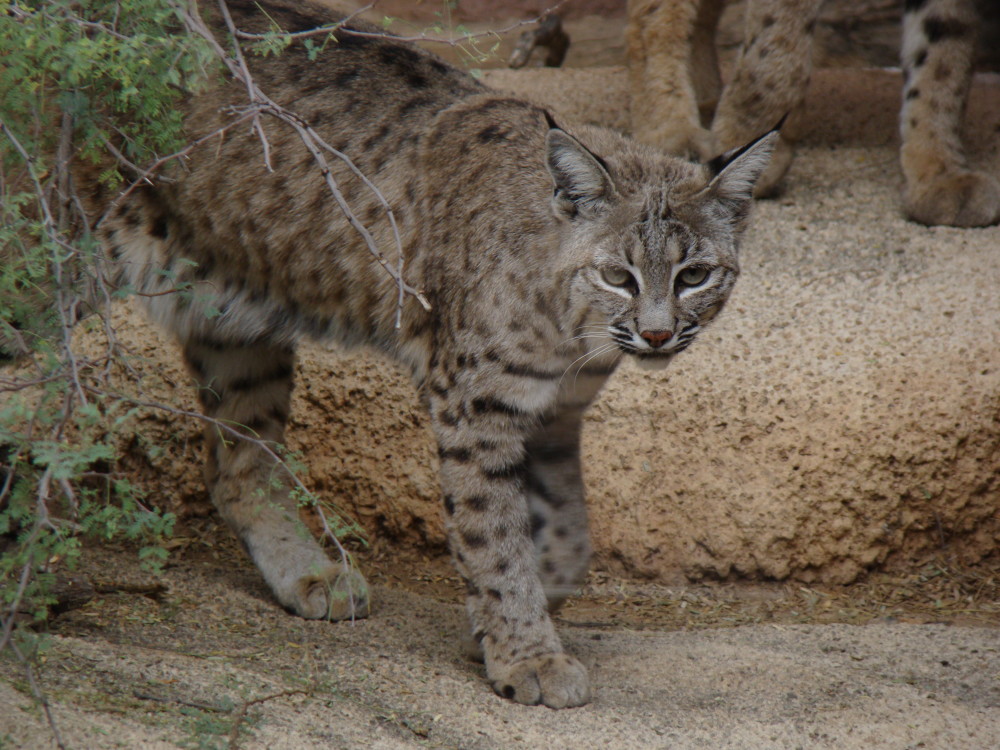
(675,85)
(547,255)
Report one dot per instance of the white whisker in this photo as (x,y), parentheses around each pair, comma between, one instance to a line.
(585,355)
(596,353)
(592,335)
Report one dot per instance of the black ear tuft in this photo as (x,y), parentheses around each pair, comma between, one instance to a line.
(737,171)
(582,183)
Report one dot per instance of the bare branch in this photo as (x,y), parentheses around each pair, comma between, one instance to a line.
(39,695)
(146,175)
(261,103)
(452,41)
(53,232)
(22,14)
(234,733)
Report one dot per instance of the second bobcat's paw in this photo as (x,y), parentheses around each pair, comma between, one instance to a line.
(554,680)
(697,143)
(770,182)
(957,199)
(338,593)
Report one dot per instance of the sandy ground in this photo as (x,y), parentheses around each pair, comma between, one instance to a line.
(209,660)
(213,662)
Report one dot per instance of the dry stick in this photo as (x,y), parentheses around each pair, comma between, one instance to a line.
(39,695)
(201,706)
(428,38)
(53,233)
(9,621)
(121,158)
(253,92)
(42,520)
(310,32)
(152,168)
(311,139)
(63,155)
(21,14)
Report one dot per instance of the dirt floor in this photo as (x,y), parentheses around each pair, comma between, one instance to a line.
(202,657)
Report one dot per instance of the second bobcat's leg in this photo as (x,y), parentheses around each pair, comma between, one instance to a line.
(249,388)
(664,103)
(770,80)
(704,64)
(938,45)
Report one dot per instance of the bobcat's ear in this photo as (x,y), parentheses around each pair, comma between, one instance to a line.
(582,183)
(737,171)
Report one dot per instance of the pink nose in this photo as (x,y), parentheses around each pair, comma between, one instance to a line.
(656,339)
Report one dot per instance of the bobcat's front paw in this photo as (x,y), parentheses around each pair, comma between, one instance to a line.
(680,138)
(337,593)
(957,199)
(555,680)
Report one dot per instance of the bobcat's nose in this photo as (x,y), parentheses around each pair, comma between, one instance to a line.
(656,339)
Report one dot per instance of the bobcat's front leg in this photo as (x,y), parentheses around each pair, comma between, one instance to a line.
(481,441)
(554,484)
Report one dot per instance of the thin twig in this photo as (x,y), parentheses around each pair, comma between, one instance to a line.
(55,234)
(21,14)
(232,430)
(252,91)
(39,695)
(452,41)
(200,705)
(261,103)
(156,165)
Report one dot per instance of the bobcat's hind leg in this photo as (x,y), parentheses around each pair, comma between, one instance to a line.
(937,50)
(769,82)
(663,95)
(249,388)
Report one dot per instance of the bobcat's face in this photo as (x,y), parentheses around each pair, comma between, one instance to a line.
(660,285)
(658,266)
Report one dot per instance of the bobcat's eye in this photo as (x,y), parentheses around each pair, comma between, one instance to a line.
(617,277)
(693,276)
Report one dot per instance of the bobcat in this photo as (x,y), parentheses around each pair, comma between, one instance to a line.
(546,255)
(674,72)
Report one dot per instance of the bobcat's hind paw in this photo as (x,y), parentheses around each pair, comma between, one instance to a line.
(554,680)
(957,199)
